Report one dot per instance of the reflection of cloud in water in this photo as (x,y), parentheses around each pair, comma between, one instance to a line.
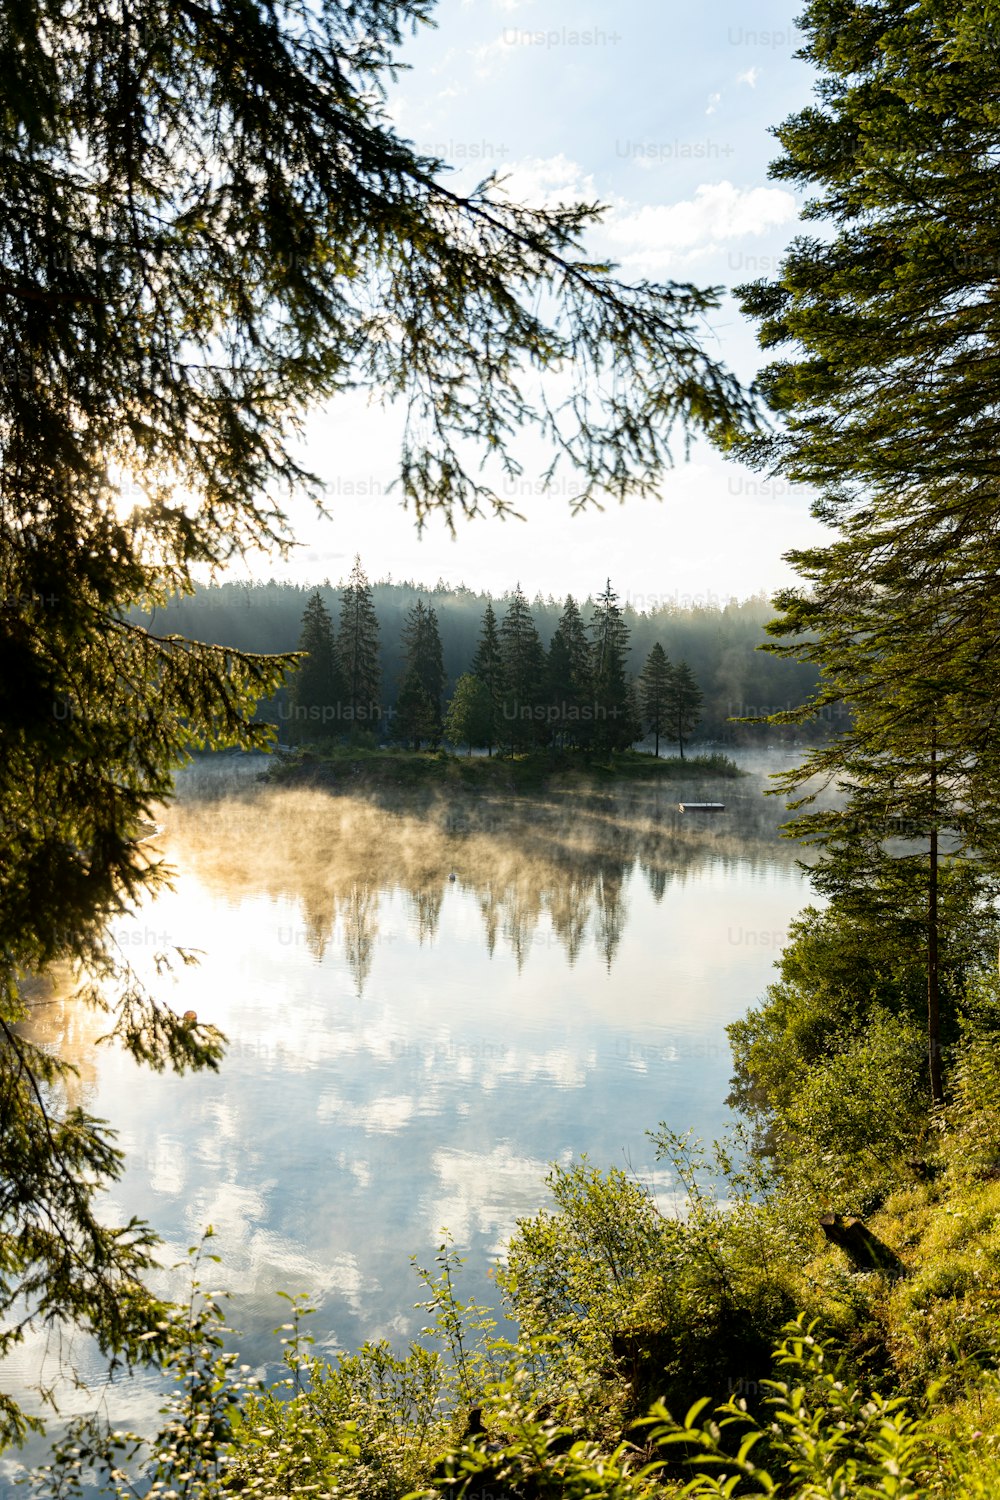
(386,1115)
(478,1192)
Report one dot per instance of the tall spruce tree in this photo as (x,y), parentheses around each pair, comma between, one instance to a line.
(487,666)
(614,726)
(358,653)
(418,707)
(890,406)
(684,704)
(317,687)
(568,688)
(916,757)
(522,658)
(655,682)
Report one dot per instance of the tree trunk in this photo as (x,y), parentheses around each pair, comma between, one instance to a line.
(933,974)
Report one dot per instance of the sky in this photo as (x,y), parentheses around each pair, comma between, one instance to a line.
(662,111)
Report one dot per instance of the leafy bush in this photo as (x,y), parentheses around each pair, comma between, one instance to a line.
(826,1437)
(856,1115)
(640,1304)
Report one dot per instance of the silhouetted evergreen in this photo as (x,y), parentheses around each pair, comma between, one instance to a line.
(614,726)
(316,687)
(568,680)
(487,667)
(358,654)
(418,707)
(523,659)
(654,694)
(683,705)
(719,641)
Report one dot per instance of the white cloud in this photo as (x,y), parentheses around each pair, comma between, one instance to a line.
(495,54)
(749,77)
(714,100)
(652,239)
(654,235)
(544,182)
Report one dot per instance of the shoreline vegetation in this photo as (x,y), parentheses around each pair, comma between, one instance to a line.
(344,768)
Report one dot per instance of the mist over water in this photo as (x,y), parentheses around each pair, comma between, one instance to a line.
(427,1002)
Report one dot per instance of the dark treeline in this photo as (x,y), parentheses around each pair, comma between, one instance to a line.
(717,640)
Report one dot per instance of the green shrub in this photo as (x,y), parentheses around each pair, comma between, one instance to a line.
(856,1115)
(640,1304)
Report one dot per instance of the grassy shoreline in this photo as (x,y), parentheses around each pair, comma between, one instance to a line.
(347,768)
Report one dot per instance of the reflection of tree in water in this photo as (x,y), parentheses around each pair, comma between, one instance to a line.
(426,904)
(564,858)
(656,879)
(569,911)
(359,926)
(489,906)
(611,912)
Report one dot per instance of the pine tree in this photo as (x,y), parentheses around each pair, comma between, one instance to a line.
(568,688)
(684,703)
(358,653)
(890,406)
(614,728)
(917,755)
(655,681)
(418,707)
(523,661)
(316,687)
(487,666)
(885,315)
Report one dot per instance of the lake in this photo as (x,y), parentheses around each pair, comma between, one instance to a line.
(426,1002)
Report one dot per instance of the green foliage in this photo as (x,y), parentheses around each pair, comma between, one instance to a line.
(522,667)
(188,1457)
(829,1068)
(684,704)
(368,1427)
(654,694)
(639,1304)
(317,686)
(856,1114)
(357,650)
(614,725)
(469,718)
(825,1437)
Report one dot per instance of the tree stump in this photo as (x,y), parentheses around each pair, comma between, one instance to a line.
(864,1250)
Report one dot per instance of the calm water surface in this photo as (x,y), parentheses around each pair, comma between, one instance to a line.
(427,1002)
